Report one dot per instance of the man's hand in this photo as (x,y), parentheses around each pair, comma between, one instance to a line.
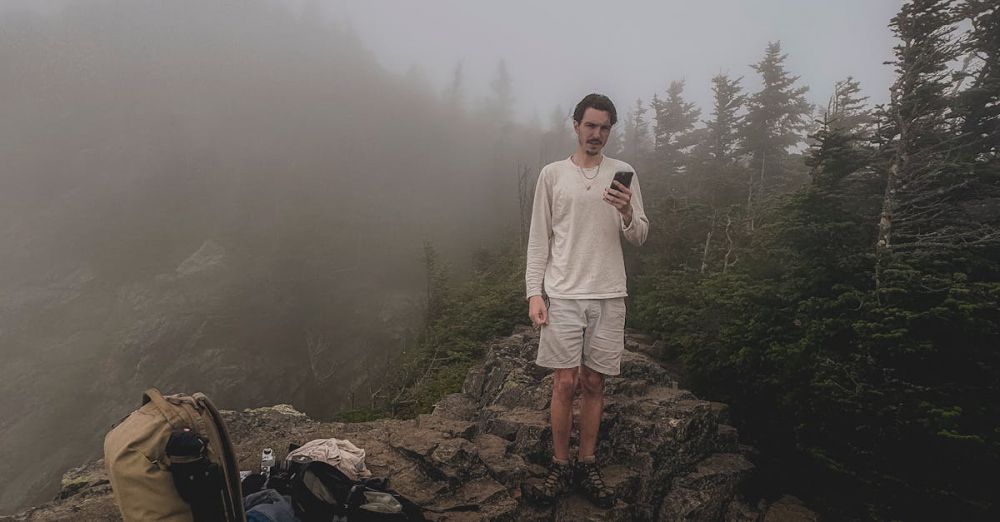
(537,311)
(620,197)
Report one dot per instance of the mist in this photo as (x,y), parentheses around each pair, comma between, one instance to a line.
(233,197)
(215,197)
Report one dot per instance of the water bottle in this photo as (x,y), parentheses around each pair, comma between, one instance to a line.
(266,461)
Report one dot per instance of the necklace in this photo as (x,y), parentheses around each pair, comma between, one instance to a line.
(584,174)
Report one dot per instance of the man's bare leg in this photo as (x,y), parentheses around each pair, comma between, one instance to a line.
(591,408)
(588,476)
(563,388)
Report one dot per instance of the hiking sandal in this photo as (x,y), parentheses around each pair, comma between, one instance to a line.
(558,481)
(590,480)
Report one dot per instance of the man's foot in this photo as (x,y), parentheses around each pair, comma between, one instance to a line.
(558,481)
(589,479)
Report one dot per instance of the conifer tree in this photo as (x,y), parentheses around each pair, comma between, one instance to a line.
(977,108)
(675,119)
(842,145)
(636,133)
(715,158)
(917,129)
(936,268)
(556,137)
(501,104)
(724,127)
(776,117)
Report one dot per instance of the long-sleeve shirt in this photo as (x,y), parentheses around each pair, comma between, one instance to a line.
(574,245)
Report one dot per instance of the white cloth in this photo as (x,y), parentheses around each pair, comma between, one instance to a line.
(574,244)
(341,454)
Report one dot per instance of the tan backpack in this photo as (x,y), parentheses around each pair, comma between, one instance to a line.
(172,460)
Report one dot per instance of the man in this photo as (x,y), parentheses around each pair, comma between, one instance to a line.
(574,251)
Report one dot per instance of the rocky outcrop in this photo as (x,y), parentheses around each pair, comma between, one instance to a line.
(669,455)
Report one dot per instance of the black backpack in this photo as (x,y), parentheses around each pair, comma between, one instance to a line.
(320,492)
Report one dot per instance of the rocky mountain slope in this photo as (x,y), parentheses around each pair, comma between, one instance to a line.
(669,455)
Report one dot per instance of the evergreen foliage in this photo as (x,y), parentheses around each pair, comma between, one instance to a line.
(675,119)
(635,137)
(853,321)
(774,123)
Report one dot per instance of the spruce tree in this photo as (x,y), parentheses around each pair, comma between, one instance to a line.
(917,129)
(932,329)
(776,117)
(675,119)
(976,109)
(978,106)
(842,145)
(724,127)
(556,138)
(716,156)
(501,105)
(636,133)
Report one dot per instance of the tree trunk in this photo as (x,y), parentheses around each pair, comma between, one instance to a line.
(708,242)
(730,246)
(883,244)
(763,161)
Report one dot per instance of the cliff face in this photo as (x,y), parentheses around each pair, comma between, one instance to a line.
(669,455)
(79,350)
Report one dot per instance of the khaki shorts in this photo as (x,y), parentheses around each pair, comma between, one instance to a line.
(590,332)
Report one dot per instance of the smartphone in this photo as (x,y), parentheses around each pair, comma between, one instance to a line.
(624,177)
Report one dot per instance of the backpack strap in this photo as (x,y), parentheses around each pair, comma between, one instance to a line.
(218,433)
(168,411)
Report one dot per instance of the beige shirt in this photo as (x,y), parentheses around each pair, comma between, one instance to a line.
(341,454)
(574,246)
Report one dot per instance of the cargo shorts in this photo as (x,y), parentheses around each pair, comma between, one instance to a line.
(588,332)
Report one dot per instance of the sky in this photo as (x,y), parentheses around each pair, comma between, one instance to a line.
(558,50)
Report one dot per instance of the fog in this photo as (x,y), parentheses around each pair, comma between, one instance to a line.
(233,197)
(627,50)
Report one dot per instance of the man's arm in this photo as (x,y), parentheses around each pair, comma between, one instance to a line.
(628,202)
(538,236)
(637,228)
(538,250)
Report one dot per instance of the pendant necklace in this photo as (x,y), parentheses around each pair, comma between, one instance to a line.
(584,174)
